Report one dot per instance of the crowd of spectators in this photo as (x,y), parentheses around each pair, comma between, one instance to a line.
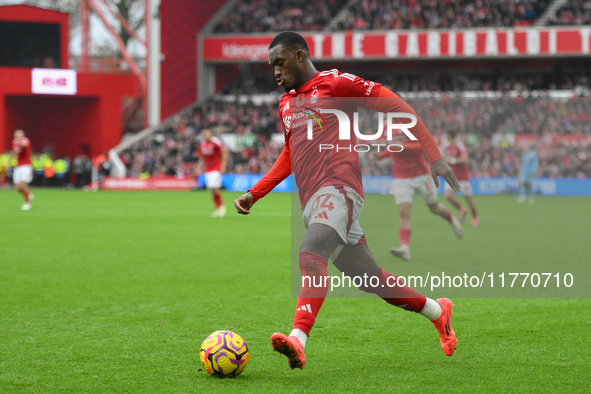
(574,12)
(571,78)
(505,115)
(429,14)
(572,160)
(171,151)
(491,124)
(254,16)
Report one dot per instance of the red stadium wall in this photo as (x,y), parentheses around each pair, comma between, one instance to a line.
(181,22)
(92,117)
(26,13)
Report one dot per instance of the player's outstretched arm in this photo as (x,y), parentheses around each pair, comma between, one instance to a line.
(438,166)
(280,170)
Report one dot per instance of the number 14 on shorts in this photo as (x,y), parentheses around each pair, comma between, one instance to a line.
(322,203)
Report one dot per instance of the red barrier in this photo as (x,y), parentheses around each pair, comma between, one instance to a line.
(168,183)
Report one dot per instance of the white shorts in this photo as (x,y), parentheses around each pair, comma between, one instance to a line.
(339,209)
(404,189)
(213,180)
(22,174)
(465,185)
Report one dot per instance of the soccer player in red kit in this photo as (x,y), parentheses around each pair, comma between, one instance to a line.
(331,195)
(213,157)
(456,156)
(412,175)
(23,172)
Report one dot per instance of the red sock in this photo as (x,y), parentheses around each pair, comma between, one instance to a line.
(217,200)
(26,195)
(456,204)
(403,297)
(313,292)
(404,236)
(474,213)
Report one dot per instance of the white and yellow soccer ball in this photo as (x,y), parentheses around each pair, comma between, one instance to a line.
(224,354)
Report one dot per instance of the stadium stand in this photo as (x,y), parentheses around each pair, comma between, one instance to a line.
(492,106)
(489,123)
(273,15)
(424,14)
(447,80)
(574,12)
(255,16)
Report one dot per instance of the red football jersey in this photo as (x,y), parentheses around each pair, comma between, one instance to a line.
(23,152)
(459,151)
(411,161)
(314,168)
(211,152)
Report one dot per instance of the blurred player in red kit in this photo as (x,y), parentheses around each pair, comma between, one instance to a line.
(213,157)
(23,171)
(456,156)
(331,194)
(412,175)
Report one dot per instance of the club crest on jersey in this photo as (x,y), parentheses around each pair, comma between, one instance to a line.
(314,98)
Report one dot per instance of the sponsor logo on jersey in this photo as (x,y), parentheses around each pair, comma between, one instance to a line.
(287,123)
(370,88)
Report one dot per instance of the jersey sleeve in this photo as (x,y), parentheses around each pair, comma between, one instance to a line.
(461,152)
(349,85)
(395,103)
(219,145)
(280,170)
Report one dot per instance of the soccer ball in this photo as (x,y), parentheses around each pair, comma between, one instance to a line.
(224,354)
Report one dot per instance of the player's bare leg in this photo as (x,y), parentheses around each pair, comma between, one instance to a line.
(441,210)
(220,208)
(23,188)
(475,219)
(449,194)
(319,242)
(357,260)
(404,230)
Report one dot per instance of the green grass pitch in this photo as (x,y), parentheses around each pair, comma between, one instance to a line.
(115,291)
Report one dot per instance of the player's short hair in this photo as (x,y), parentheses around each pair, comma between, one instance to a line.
(453,133)
(290,39)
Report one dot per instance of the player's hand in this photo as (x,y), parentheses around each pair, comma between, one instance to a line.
(442,169)
(244,203)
